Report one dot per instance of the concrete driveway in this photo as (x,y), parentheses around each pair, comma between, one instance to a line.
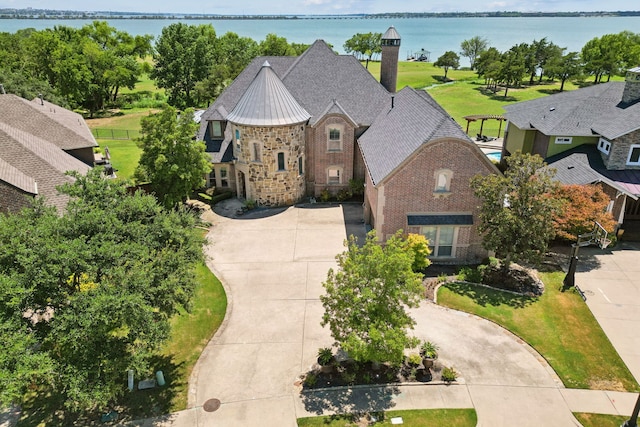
(610,280)
(273,268)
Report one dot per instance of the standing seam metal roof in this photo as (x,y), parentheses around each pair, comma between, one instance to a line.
(267,102)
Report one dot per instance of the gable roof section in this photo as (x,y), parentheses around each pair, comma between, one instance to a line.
(315,79)
(64,128)
(320,76)
(14,177)
(267,102)
(43,162)
(583,112)
(583,165)
(398,132)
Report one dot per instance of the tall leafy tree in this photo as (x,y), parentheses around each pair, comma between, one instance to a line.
(517,211)
(514,66)
(364,45)
(366,299)
(611,54)
(184,55)
(473,48)
(449,59)
(86,294)
(172,160)
(565,67)
(272,45)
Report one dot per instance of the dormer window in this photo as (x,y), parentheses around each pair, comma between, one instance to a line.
(215,128)
(604,146)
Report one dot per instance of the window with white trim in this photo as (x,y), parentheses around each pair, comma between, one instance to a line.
(634,155)
(563,139)
(441,239)
(224,181)
(604,146)
(282,164)
(443,180)
(334,139)
(334,175)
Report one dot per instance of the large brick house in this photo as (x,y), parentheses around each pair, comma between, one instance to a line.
(590,136)
(290,128)
(39,142)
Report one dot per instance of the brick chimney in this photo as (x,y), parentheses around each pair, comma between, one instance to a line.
(631,93)
(389,63)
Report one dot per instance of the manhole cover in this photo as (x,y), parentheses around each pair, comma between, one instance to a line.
(211,405)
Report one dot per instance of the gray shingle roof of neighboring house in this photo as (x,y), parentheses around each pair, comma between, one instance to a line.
(13,176)
(583,165)
(48,121)
(583,112)
(267,102)
(399,131)
(43,162)
(316,79)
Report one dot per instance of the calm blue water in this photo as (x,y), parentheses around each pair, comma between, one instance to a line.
(436,35)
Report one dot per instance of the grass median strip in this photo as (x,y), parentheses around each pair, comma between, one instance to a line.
(559,325)
(410,418)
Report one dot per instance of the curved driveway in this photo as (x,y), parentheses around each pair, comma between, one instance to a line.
(273,270)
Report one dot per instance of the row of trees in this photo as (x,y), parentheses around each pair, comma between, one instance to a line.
(86,294)
(609,55)
(86,68)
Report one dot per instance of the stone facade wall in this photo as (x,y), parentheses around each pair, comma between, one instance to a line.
(620,151)
(320,158)
(631,91)
(12,199)
(411,190)
(264,182)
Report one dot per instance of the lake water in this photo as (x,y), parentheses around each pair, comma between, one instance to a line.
(436,35)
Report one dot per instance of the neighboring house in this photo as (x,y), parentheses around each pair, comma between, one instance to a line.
(39,142)
(590,135)
(290,128)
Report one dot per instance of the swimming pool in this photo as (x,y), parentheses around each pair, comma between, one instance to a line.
(494,156)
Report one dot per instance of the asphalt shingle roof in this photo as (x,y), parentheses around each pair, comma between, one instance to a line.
(64,128)
(583,165)
(398,132)
(584,112)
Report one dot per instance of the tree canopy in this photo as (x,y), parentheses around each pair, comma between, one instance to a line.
(473,48)
(581,207)
(449,59)
(364,45)
(366,297)
(517,210)
(86,294)
(172,160)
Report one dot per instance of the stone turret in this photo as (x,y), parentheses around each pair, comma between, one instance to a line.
(269,141)
(631,92)
(389,63)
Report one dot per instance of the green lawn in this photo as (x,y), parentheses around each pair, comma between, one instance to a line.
(599,420)
(559,325)
(411,418)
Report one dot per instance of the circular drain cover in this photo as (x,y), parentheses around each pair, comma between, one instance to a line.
(211,405)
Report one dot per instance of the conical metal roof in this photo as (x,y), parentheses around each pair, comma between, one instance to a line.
(267,102)
(391,34)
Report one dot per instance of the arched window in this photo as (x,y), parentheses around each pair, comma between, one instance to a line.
(443,180)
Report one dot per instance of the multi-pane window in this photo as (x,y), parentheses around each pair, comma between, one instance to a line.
(334,175)
(441,240)
(281,162)
(335,140)
(224,181)
(604,146)
(563,140)
(212,177)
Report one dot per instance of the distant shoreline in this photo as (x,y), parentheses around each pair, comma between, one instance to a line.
(66,14)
